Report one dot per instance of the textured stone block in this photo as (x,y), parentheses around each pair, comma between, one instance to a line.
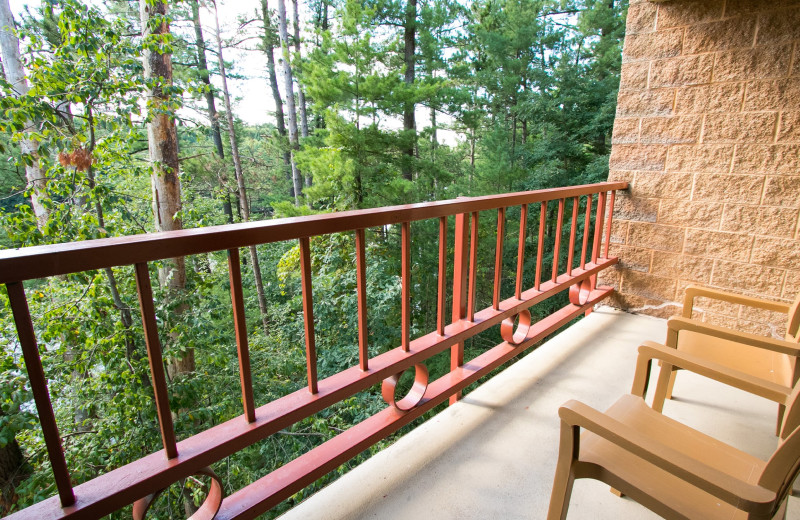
(663,185)
(652,46)
(726,97)
(682,267)
(789,127)
(641,18)
(767,159)
(760,220)
(648,285)
(740,189)
(621,176)
(776,252)
(778,26)
(670,130)
(632,206)
(761,62)
(674,14)
(626,130)
(633,258)
(659,102)
(655,236)
(740,128)
(711,158)
(782,191)
(782,94)
(681,212)
(740,7)
(717,244)
(619,232)
(764,316)
(719,320)
(791,287)
(748,277)
(681,71)
(716,36)
(638,304)
(638,157)
(633,76)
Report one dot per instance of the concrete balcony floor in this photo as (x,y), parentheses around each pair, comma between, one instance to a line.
(493,454)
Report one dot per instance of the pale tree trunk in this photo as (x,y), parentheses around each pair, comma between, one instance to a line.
(409,58)
(15,75)
(237,166)
(162,137)
(301,96)
(294,142)
(269,48)
(213,116)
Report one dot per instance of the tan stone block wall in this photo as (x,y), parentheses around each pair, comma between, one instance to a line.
(708,136)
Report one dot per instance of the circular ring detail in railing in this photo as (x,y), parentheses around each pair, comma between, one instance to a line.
(208,509)
(515,337)
(414,395)
(579,293)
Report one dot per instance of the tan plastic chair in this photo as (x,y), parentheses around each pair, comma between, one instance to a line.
(671,469)
(764,358)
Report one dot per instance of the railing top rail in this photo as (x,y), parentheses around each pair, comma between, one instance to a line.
(51,260)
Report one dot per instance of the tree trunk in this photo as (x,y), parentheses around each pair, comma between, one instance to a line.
(162,137)
(294,142)
(301,96)
(14,73)
(213,116)
(237,165)
(13,470)
(434,137)
(269,48)
(409,58)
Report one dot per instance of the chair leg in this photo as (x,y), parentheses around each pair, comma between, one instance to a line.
(671,383)
(616,492)
(662,386)
(559,498)
(781,412)
(565,476)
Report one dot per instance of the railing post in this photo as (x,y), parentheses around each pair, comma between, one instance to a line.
(240,330)
(36,377)
(460,258)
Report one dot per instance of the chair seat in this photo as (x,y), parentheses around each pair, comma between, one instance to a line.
(661,491)
(762,363)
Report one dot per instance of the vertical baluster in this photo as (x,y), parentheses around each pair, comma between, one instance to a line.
(405,241)
(598,226)
(572,232)
(155,357)
(473,261)
(361,289)
(440,319)
(608,222)
(460,275)
(540,245)
(308,313)
(557,248)
(41,396)
(586,226)
(240,329)
(523,227)
(498,258)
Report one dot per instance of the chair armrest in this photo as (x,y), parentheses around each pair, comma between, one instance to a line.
(650,351)
(676,324)
(747,497)
(694,291)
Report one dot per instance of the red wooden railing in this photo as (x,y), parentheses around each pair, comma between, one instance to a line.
(140,480)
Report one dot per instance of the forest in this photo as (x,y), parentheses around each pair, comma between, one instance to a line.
(121,117)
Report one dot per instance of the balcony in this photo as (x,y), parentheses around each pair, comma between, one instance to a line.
(490,454)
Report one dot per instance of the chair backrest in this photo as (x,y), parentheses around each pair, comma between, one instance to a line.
(793,322)
(784,465)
